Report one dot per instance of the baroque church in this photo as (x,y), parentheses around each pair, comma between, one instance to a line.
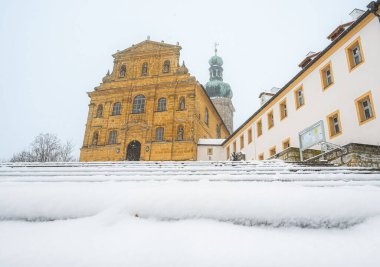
(150,107)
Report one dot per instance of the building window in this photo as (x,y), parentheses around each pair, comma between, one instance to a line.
(166,67)
(138,104)
(181,103)
(144,69)
(180,133)
(299,96)
(159,134)
(99,111)
(354,53)
(210,151)
(112,137)
(270,120)
(283,110)
(333,121)
(326,76)
(259,126)
(218,131)
(228,153)
(242,141)
(95,138)
(261,156)
(161,104)
(249,135)
(272,151)
(206,116)
(116,109)
(286,144)
(234,146)
(123,71)
(365,108)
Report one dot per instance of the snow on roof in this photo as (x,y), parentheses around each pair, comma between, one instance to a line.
(213,142)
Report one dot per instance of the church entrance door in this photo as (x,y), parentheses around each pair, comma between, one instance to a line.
(133,151)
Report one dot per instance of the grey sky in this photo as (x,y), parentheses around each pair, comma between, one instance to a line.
(53,52)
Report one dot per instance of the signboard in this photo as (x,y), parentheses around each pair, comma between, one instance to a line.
(312,136)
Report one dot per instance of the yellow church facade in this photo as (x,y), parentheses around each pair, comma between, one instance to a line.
(149,108)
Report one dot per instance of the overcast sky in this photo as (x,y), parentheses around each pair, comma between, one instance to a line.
(53,52)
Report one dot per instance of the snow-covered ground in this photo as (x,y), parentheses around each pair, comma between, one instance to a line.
(101,221)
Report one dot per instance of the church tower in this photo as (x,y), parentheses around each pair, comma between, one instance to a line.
(219,91)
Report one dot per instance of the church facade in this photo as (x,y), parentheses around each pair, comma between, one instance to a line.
(149,108)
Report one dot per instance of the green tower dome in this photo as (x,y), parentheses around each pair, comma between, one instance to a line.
(215,61)
(215,87)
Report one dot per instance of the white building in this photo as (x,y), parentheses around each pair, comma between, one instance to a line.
(337,88)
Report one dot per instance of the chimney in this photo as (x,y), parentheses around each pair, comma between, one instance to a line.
(356,13)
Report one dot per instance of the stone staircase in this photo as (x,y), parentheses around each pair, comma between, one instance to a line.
(268,171)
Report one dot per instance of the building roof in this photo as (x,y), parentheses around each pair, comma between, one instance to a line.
(372,7)
(338,30)
(211,142)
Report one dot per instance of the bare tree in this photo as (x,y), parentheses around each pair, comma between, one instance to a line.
(46,148)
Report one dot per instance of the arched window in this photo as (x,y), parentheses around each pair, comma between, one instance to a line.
(95,138)
(206,116)
(123,71)
(218,131)
(139,104)
(161,104)
(166,67)
(144,69)
(181,103)
(159,134)
(112,137)
(116,109)
(180,133)
(99,111)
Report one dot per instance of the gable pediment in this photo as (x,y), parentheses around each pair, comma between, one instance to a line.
(146,47)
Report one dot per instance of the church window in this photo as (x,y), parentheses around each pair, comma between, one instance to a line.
(161,104)
(270,119)
(180,133)
(283,110)
(218,131)
(144,69)
(123,71)
(116,109)
(99,111)
(139,104)
(159,134)
(112,137)
(206,116)
(365,108)
(166,68)
(259,126)
(95,138)
(327,76)
(181,103)
(354,53)
(299,96)
(249,135)
(335,127)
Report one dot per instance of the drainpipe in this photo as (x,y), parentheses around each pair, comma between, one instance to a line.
(373,7)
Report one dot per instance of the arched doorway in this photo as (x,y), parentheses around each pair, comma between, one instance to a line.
(133,151)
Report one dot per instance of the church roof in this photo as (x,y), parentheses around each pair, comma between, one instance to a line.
(145,45)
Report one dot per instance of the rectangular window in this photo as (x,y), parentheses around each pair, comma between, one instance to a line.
(286,143)
(228,153)
(159,134)
(326,76)
(354,54)
(210,151)
(283,110)
(234,146)
(249,136)
(365,108)
(335,127)
(259,126)
(272,151)
(299,97)
(270,119)
(242,141)
(112,137)
(261,156)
